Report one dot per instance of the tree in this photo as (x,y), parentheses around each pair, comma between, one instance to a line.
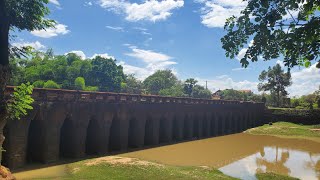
(108,76)
(132,85)
(19,15)
(188,86)
(162,79)
(174,91)
(275,80)
(201,92)
(231,94)
(80,83)
(288,28)
(51,84)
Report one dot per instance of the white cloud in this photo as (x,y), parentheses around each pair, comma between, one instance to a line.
(225,82)
(243,51)
(36,45)
(115,28)
(55,2)
(305,81)
(281,63)
(149,10)
(81,54)
(89,3)
(215,12)
(59,29)
(153,61)
(105,55)
(241,69)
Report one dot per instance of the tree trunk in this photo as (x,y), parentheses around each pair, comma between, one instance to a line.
(4,67)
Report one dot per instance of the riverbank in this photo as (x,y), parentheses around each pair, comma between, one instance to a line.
(288,130)
(114,167)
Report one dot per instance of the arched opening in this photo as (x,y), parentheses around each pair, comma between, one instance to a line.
(187,129)
(92,138)
(196,127)
(34,141)
(176,129)
(133,133)
(163,130)
(66,138)
(148,136)
(114,139)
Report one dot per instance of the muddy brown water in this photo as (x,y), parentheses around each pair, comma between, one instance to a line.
(239,155)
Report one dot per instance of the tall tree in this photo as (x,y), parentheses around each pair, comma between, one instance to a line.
(288,28)
(162,79)
(275,80)
(188,86)
(17,15)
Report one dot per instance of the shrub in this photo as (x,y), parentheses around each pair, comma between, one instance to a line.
(51,84)
(91,88)
(80,83)
(38,84)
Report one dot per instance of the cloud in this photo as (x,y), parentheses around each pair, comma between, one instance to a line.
(149,10)
(225,82)
(243,51)
(55,2)
(120,29)
(305,81)
(59,29)
(240,69)
(215,12)
(105,55)
(143,31)
(79,53)
(35,45)
(281,63)
(152,61)
(89,3)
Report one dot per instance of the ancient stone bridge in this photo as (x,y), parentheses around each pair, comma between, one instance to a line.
(72,124)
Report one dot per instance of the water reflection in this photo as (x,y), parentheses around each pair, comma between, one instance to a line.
(279,160)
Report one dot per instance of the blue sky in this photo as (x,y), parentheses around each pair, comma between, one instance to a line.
(148,35)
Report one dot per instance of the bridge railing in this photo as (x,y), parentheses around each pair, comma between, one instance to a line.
(64,95)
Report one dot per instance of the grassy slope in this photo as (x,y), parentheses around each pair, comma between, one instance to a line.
(268,176)
(288,130)
(137,169)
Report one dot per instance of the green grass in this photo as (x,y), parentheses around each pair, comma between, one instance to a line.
(132,169)
(286,129)
(271,176)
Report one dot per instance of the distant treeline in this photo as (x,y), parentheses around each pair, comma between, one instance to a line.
(45,70)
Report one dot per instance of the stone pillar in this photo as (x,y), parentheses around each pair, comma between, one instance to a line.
(207,124)
(119,129)
(152,129)
(15,145)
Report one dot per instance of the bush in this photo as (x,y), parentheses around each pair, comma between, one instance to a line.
(298,116)
(91,88)
(80,83)
(51,84)
(38,84)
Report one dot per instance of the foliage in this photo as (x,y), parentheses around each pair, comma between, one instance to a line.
(286,129)
(288,28)
(38,84)
(91,88)
(132,85)
(174,91)
(108,76)
(51,84)
(275,81)
(238,95)
(20,101)
(64,69)
(272,176)
(188,86)
(79,83)
(161,79)
(201,92)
